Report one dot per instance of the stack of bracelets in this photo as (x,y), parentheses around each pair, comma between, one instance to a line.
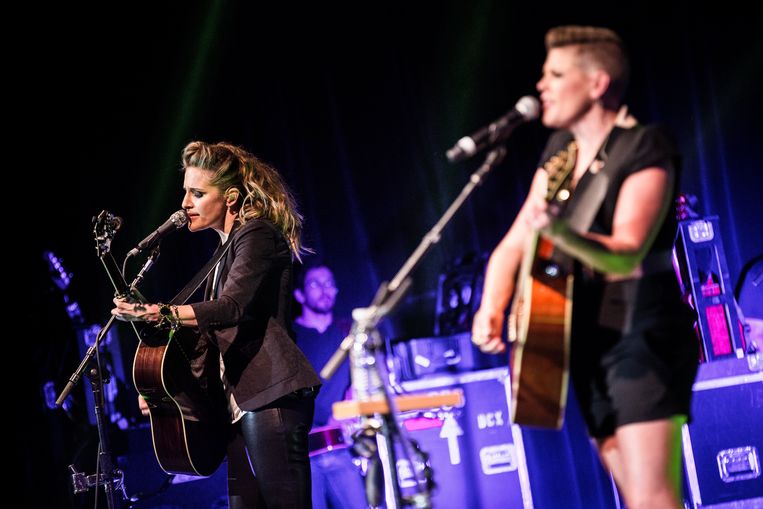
(169,316)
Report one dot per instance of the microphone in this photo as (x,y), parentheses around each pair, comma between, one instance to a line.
(526,109)
(176,220)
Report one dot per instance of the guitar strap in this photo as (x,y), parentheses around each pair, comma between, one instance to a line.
(613,154)
(203,274)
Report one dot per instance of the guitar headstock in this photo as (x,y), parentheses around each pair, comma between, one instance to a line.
(105,227)
(559,167)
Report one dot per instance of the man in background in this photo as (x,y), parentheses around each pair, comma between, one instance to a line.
(337,482)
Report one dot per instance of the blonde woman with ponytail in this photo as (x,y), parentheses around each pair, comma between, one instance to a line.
(244,320)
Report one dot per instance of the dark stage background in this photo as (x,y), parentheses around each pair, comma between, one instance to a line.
(356,107)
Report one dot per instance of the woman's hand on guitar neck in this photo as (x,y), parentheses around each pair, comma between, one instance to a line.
(534,212)
(537,216)
(486,331)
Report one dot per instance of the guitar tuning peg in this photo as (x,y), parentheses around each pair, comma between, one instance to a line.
(115,222)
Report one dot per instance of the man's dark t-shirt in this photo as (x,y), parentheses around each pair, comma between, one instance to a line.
(318,348)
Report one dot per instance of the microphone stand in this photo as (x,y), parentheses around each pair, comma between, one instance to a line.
(369,376)
(111,478)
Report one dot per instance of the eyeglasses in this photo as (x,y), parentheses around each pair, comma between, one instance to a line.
(329,284)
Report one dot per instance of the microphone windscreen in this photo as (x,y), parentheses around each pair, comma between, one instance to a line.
(529,107)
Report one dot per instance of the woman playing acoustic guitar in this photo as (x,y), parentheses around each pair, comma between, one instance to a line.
(245,321)
(633,352)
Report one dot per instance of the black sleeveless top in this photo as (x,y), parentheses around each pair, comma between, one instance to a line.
(653,149)
(635,302)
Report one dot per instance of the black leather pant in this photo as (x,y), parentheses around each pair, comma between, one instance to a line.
(275,437)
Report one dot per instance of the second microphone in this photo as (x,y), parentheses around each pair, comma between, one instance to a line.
(526,109)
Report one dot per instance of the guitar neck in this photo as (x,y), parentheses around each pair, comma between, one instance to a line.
(117,279)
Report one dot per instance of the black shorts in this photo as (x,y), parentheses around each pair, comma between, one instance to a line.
(643,374)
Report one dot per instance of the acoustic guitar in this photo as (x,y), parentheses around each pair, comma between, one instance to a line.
(186,404)
(539,319)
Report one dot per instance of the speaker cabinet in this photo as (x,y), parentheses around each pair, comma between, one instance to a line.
(724,442)
(481,460)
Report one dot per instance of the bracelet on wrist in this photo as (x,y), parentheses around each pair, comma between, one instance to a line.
(169,316)
(176,314)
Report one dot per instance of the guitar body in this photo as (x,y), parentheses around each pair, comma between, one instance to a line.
(539,323)
(539,328)
(189,424)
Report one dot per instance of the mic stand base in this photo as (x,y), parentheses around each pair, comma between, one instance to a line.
(376,442)
(111,478)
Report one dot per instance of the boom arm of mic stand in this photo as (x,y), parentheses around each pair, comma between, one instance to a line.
(338,357)
(389,295)
(91,352)
(365,321)
(370,317)
(493,158)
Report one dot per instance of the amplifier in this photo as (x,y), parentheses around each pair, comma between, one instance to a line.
(724,442)
(475,453)
(419,357)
